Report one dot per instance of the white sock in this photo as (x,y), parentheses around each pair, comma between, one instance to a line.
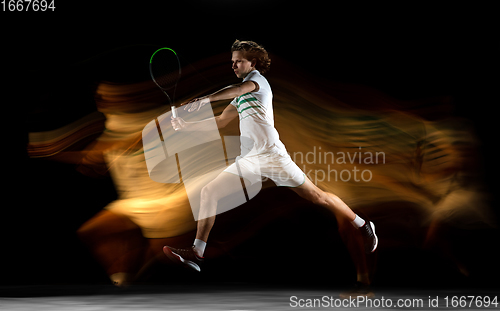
(358,222)
(199,247)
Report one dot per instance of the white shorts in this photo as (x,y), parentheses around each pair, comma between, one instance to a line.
(273,165)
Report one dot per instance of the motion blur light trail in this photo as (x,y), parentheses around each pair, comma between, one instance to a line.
(431,164)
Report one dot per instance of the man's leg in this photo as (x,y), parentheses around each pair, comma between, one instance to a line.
(222,186)
(342,212)
(311,192)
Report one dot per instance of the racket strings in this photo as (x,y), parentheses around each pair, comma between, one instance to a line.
(166,81)
(165,69)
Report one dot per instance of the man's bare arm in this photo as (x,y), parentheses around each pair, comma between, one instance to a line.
(229,113)
(229,92)
(233,91)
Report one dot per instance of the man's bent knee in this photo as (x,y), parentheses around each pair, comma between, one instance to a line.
(208,193)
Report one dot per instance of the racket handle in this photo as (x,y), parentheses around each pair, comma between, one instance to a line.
(174,114)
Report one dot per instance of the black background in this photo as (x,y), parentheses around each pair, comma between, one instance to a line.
(407,51)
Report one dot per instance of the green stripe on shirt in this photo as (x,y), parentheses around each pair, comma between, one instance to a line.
(247,100)
(238,99)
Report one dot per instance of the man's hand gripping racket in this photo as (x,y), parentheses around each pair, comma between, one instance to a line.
(178,123)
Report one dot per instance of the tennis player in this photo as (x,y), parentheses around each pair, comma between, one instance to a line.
(252,103)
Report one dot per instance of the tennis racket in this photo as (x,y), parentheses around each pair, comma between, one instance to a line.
(165,70)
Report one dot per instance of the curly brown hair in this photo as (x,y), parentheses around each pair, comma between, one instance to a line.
(252,51)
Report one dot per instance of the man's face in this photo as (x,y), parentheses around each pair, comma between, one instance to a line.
(241,65)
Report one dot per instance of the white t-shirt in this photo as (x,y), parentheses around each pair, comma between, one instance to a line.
(255,111)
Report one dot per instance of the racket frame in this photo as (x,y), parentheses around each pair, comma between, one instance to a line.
(172,105)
